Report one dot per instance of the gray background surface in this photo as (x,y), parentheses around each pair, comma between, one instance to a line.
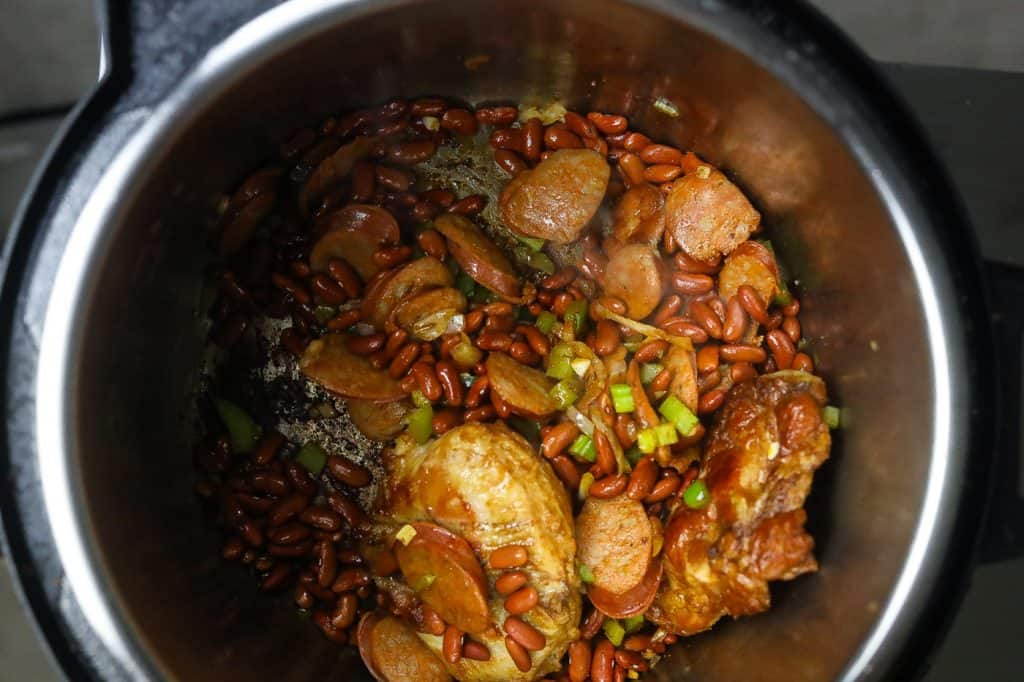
(49,58)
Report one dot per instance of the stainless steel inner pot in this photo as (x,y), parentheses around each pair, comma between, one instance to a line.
(779,110)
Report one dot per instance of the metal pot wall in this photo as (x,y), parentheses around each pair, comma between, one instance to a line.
(104,279)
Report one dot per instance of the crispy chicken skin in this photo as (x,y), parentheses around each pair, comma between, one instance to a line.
(485,483)
(760,456)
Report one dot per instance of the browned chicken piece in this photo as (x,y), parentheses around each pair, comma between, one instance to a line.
(760,456)
(635,275)
(474,490)
(556,199)
(707,215)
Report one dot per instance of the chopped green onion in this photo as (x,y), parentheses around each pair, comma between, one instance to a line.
(580,366)
(633,342)
(535,243)
(565,393)
(421,423)
(696,495)
(676,411)
(242,430)
(633,623)
(666,106)
(546,321)
(576,315)
(831,416)
(419,400)
(649,370)
(559,362)
(622,398)
(583,447)
(614,631)
(667,434)
(465,284)
(633,455)
(586,575)
(586,480)
(324,313)
(312,457)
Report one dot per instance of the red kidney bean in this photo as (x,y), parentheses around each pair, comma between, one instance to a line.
(509,556)
(426,380)
(363,181)
(509,582)
(608,123)
(663,489)
(289,534)
(706,318)
(661,154)
(475,651)
(268,448)
(630,660)
(470,205)
(558,136)
(598,145)
(344,275)
(692,284)
(558,438)
(791,326)
(300,479)
(507,138)
(428,106)
(743,353)
(347,509)
(742,371)
(565,469)
(642,480)
(635,142)
(632,169)
(533,138)
(390,256)
(493,341)
(651,351)
(484,413)
(254,504)
(782,348)
(412,152)
(711,401)
(602,666)
(518,653)
(345,611)
(579,660)
(497,116)
(403,360)
(510,162)
(735,321)
(459,121)
(803,362)
(346,471)
(522,600)
(350,579)
(270,483)
(275,578)
(366,345)
(579,125)
(451,645)
(525,634)
(707,359)
(451,383)
(321,517)
(752,303)
(661,173)
(591,624)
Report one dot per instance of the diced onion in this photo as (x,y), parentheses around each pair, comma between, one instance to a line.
(581,421)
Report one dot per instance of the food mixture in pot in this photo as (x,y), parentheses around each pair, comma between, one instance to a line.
(506,393)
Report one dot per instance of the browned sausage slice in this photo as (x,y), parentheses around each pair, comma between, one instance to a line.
(378,421)
(525,389)
(442,569)
(614,540)
(426,314)
(392,652)
(753,264)
(353,234)
(631,603)
(478,255)
(385,294)
(635,275)
(332,169)
(556,199)
(639,215)
(707,215)
(249,205)
(330,363)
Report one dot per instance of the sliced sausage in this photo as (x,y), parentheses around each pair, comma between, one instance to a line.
(426,314)
(384,295)
(635,275)
(632,602)
(707,215)
(353,234)
(639,215)
(683,365)
(334,168)
(524,388)
(249,205)
(613,539)
(556,199)
(478,255)
(378,421)
(392,651)
(441,567)
(329,362)
(751,263)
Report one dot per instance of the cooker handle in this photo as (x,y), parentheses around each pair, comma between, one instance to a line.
(1003,534)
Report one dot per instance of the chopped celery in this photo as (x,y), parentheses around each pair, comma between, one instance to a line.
(586,575)
(667,434)
(614,631)
(540,261)
(633,342)
(465,284)
(583,447)
(696,495)
(405,534)
(419,400)
(649,370)
(546,322)
(647,441)
(565,393)
(559,360)
(622,398)
(633,623)
(312,457)
(586,481)
(831,416)
(674,410)
(421,423)
(242,430)
(576,315)
(324,313)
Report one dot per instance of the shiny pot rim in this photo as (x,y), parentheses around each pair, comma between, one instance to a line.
(822,66)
